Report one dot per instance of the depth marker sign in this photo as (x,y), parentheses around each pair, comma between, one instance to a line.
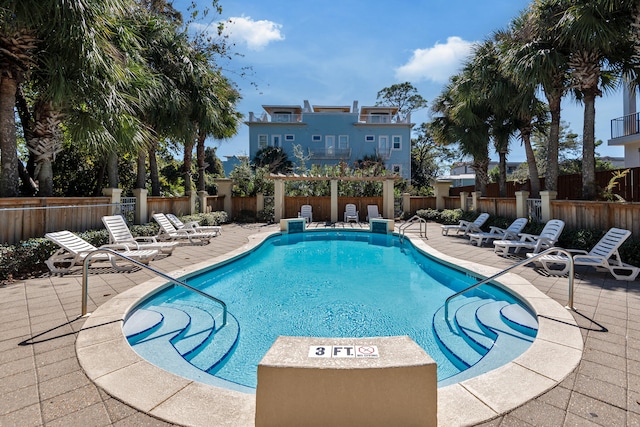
(343,351)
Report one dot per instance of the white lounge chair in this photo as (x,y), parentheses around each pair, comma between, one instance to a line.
(603,256)
(306,211)
(73,251)
(466,226)
(120,234)
(169,232)
(372,212)
(193,225)
(495,233)
(350,213)
(537,243)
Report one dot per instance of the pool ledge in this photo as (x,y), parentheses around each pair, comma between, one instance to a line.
(110,362)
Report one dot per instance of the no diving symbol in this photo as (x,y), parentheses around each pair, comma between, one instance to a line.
(367,351)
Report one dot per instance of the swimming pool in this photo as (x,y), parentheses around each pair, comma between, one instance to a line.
(329,284)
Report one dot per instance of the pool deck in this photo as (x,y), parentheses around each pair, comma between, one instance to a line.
(43,383)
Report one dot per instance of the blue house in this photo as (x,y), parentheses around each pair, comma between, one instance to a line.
(331,135)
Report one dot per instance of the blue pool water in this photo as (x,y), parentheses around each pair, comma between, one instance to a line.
(329,284)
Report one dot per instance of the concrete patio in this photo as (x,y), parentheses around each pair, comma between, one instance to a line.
(43,383)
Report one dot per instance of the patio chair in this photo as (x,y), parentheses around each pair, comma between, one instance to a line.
(466,226)
(350,213)
(537,243)
(306,211)
(120,234)
(495,233)
(169,232)
(193,225)
(372,212)
(74,250)
(604,257)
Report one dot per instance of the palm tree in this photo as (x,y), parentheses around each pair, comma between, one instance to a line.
(597,34)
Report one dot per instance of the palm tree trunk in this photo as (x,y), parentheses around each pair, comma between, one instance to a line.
(153,170)
(141,171)
(534,175)
(188,161)
(502,168)
(201,161)
(112,170)
(551,176)
(9,173)
(589,190)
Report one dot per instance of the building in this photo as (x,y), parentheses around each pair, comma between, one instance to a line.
(625,130)
(462,174)
(330,135)
(231,162)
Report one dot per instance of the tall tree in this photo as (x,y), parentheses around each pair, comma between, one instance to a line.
(404,96)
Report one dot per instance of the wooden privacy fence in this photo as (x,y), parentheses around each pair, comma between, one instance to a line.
(23,218)
(497,206)
(597,215)
(175,205)
(321,206)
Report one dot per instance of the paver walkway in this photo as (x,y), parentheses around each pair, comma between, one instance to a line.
(41,382)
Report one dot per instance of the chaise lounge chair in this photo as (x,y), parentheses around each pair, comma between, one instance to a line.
(73,251)
(496,233)
(372,212)
(466,226)
(350,213)
(194,225)
(603,256)
(169,232)
(537,243)
(120,234)
(306,212)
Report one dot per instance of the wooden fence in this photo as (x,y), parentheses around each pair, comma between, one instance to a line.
(597,215)
(176,205)
(23,218)
(321,206)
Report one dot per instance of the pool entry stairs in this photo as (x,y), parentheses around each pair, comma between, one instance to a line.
(185,337)
(478,325)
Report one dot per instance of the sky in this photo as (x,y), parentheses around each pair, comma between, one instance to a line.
(333,52)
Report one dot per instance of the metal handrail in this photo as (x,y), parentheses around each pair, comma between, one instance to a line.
(409,223)
(85,281)
(523,262)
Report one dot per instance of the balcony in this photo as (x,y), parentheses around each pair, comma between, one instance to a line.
(276,118)
(383,119)
(330,154)
(625,126)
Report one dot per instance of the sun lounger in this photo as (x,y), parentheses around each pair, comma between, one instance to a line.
(603,256)
(120,234)
(169,232)
(496,233)
(350,213)
(372,212)
(536,243)
(466,226)
(73,251)
(193,225)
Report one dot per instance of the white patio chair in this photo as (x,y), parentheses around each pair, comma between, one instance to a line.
(195,225)
(537,243)
(466,226)
(372,212)
(495,233)
(169,232)
(603,256)
(350,213)
(306,211)
(74,250)
(120,234)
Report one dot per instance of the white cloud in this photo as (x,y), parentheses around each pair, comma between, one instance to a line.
(256,34)
(436,63)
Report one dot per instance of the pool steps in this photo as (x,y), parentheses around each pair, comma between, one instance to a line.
(185,337)
(476,324)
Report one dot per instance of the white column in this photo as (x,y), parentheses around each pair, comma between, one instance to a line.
(141,215)
(387,199)
(521,204)
(334,200)
(115,194)
(441,190)
(278,199)
(545,199)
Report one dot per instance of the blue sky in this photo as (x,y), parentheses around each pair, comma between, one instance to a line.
(333,52)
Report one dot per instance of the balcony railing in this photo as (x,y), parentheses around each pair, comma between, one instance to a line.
(383,119)
(330,153)
(276,118)
(625,125)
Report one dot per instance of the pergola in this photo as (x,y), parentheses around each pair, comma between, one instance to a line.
(387,191)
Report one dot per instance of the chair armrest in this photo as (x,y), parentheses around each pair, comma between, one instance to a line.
(497,230)
(147,239)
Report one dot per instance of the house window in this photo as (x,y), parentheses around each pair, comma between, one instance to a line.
(343,141)
(262,141)
(316,138)
(396,169)
(290,137)
(370,138)
(276,141)
(396,142)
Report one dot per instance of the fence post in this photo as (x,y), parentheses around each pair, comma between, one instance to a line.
(115,194)
(545,199)
(202,196)
(225,186)
(521,204)
(141,215)
(334,200)
(406,204)
(387,199)
(463,200)
(442,190)
(474,200)
(259,202)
